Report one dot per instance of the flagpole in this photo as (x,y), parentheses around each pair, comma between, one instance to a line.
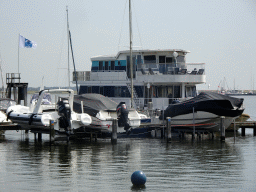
(19,53)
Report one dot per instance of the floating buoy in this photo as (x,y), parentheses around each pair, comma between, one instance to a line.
(138,178)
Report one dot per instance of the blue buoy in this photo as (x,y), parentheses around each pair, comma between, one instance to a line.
(138,178)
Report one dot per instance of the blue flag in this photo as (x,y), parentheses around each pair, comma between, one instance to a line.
(25,43)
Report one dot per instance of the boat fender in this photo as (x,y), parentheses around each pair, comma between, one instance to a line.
(8,115)
(31,119)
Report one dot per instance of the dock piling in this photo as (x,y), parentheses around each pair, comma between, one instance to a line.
(40,137)
(169,130)
(234,130)
(52,133)
(243,131)
(254,130)
(194,129)
(114,132)
(222,128)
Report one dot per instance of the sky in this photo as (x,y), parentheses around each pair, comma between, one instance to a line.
(219,33)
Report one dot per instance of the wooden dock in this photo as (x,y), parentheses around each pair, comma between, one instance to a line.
(245,125)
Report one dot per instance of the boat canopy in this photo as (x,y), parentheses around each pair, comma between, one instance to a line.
(211,102)
(93,103)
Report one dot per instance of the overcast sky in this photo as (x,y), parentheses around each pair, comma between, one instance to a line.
(220,33)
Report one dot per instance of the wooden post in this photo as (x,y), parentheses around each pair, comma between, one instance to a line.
(222,128)
(114,132)
(91,137)
(234,130)
(182,134)
(35,137)
(243,131)
(199,135)
(52,132)
(96,137)
(169,130)
(39,137)
(194,129)
(254,130)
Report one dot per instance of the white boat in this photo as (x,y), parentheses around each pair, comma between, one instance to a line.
(159,77)
(54,104)
(204,111)
(4,104)
(103,110)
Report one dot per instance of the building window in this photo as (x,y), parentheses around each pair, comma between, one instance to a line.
(106,65)
(112,65)
(139,61)
(117,91)
(161,59)
(161,91)
(149,59)
(101,65)
(89,90)
(109,91)
(95,89)
(176,92)
(101,90)
(168,59)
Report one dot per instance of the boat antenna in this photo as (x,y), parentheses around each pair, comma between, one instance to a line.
(131,60)
(68,49)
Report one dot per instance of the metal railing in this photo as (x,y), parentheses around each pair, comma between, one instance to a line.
(12,78)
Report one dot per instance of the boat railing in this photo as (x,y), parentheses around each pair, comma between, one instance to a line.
(172,69)
(100,75)
(143,69)
(12,78)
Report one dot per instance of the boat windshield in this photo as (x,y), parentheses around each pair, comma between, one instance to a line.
(46,98)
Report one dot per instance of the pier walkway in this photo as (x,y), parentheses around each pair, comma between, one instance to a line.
(245,125)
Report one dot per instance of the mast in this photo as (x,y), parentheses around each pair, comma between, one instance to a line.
(73,60)
(2,95)
(131,60)
(68,49)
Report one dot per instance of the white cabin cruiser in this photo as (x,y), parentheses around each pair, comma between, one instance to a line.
(103,110)
(204,111)
(54,104)
(159,77)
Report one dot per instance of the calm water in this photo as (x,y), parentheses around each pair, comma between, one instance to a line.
(183,165)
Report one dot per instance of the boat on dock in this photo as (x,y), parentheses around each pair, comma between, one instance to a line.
(205,110)
(103,110)
(4,104)
(55,105)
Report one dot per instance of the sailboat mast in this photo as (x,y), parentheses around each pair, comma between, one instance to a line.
(2,92)
(68,49)
(131,60)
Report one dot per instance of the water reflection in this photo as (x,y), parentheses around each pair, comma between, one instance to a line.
(101,166)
